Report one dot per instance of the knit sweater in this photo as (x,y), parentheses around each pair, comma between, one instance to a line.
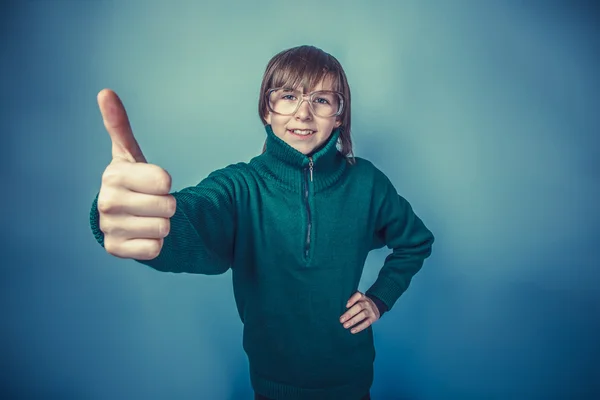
(295,230)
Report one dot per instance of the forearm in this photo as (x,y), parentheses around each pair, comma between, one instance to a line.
(185,249)
(402,265)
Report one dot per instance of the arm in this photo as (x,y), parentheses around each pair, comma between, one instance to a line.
(398,227)
(202,229)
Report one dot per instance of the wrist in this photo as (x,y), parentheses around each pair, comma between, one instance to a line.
(381,307)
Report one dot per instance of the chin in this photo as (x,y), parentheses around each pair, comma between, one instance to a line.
(304,150)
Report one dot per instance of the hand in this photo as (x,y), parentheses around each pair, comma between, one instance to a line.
(134,203)
(361,308)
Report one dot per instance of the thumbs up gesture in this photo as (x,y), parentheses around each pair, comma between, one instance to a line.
(134,203)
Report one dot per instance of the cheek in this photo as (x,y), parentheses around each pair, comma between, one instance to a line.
(329,126)
(326,137)
(278,120)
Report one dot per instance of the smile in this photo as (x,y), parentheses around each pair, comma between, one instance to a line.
(301,132)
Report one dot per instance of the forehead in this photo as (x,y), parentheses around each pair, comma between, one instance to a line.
(327,83)
(306,84)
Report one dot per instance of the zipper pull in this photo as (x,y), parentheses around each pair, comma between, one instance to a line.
(310,166)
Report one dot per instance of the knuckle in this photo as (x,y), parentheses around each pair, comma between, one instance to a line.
(104,225)
(106,203)
(110,246)
(111,176)
(111,228)
(116,228)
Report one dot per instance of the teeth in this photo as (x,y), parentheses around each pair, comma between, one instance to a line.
(302,132)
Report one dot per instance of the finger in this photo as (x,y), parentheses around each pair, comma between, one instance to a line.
(116,122)
(138,249)
(148,205)
(364,325)
(355,309)
(355,297)
(123,202)
(128,227)
(139,177)
(372,307)
(356,319)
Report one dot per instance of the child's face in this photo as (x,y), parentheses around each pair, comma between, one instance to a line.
(304,119)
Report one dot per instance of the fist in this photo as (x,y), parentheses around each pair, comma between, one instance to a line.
(134,203)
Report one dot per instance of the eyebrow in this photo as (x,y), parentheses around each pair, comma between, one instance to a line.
(289,89)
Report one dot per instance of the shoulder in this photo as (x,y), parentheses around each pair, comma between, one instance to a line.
(368,171)
(233,173)
(224,181)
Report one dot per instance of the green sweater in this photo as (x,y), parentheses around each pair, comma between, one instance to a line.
(296,240)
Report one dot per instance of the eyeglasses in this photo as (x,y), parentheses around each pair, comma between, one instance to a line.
(323,103)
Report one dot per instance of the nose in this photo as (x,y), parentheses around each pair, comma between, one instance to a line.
(303,112)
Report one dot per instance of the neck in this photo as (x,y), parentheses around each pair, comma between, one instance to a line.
(292,169)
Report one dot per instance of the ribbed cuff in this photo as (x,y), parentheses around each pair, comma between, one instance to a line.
(95,222)
(385,290)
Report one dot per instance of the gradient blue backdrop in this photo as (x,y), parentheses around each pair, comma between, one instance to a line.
(484,115)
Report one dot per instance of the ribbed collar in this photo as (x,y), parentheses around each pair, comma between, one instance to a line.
(288,167)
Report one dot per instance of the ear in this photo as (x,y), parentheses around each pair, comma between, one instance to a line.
(338,122)
(268,117)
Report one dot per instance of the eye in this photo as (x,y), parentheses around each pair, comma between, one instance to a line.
(322,100)
(288,97)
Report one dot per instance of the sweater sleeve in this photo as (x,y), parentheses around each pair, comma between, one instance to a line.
(202,230)
(402,231)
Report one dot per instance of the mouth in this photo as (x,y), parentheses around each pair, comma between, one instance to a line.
(302,133)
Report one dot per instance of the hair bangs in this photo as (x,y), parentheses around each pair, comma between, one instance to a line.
(305,71)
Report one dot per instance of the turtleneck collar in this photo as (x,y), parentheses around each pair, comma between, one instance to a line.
(289,167)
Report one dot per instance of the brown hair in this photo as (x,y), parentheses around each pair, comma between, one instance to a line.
(306,66)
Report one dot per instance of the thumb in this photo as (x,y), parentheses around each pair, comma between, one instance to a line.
(124,145)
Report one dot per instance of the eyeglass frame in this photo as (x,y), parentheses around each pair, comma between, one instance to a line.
(304,97)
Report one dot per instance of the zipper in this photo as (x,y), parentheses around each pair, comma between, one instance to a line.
(306,204)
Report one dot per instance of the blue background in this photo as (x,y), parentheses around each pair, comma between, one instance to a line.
(483,114)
